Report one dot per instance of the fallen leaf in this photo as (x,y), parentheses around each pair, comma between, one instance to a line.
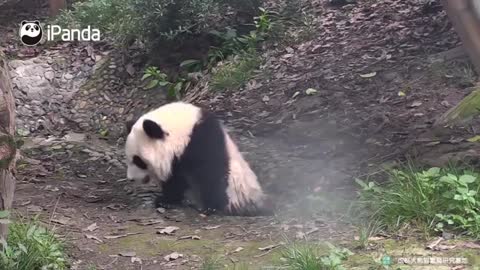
(130,69)
(119,235)
(471,245)
(415,104)
(89,236)
(168,230)
(401,94)
(34,208)
(269,247)
(62,221)
(91,228)
(193,237)
(161,210)
(444,247)
(238,249)
(296,94)
(299,235)
(435,243)
(432,143)
(151,222)
(136,259)
(127,254)
(173,256)
(474,139)
(368,75)
(212,227)
(310,91)
(25,203)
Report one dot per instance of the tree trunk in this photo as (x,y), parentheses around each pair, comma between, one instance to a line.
(465,19)
(8,149)
(56,6)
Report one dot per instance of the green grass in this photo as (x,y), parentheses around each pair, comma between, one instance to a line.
(308,256)
(432,200)
(30,246)
(234,73)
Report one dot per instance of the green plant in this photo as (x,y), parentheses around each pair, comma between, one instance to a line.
(235,72)
(158,78)
(211,264)
(308,256)
(31,246)
(435,199)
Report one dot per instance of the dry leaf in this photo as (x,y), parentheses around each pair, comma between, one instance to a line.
(435,243)
(415,104)
(34,208)
(130,69)
(173,256)
(151,222)
(89,236)
(136,259)
(193,237)
(310,91)
(401,94)
(128,254)
(212,227)
(471,245)
(267,247)
(238,249)
(91,228)
(474,139)
(368,75)
(62,221)
(119,236)
(168,230)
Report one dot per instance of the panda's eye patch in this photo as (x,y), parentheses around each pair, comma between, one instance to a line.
(139,162)
(36,27)
(28,27)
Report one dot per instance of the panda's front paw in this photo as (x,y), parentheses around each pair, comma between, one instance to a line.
(161,202)
(208,211)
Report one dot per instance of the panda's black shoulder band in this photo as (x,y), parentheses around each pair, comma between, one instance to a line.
(153,130)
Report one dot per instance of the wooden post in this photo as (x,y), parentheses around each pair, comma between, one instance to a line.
(466,21)
(8,149)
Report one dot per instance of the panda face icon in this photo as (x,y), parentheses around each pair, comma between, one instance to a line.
(31,32)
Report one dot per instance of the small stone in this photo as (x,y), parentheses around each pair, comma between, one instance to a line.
(50,75)
(68,76)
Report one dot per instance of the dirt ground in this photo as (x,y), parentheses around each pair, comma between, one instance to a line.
(378,94)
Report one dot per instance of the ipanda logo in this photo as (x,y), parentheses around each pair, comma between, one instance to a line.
(31,33)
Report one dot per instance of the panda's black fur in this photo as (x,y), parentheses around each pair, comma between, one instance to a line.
(204,167)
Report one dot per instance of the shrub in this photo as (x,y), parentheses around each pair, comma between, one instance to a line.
(155,21)
(435,199)
(30,246)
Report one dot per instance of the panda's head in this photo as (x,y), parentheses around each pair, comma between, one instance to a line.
(156,139)
(142,149)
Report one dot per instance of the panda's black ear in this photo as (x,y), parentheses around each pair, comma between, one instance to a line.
(36,22)
(24,22)
(129,125)
(153,130)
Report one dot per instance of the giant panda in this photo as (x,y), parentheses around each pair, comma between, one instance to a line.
(186,150)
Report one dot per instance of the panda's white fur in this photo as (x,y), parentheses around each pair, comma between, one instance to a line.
(162,155)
